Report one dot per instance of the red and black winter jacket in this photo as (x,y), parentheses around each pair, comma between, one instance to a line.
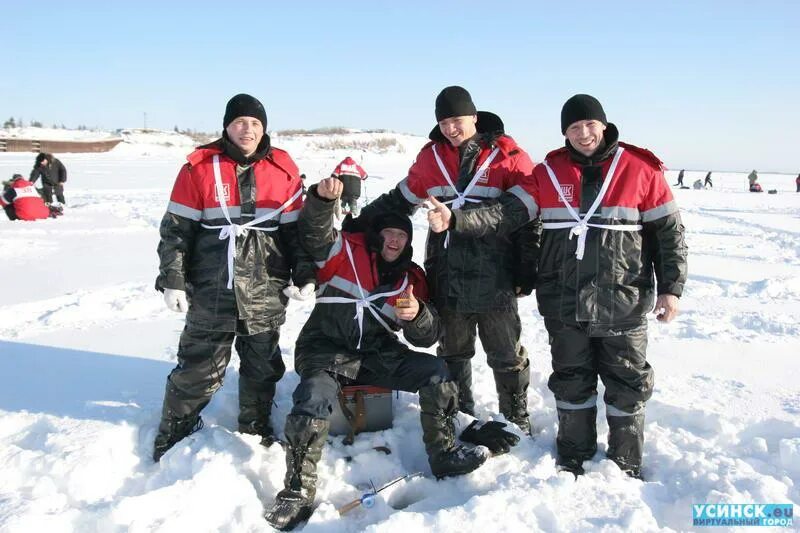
(28,205)
(613,287)
(330,338)
(470,274)
(194,258)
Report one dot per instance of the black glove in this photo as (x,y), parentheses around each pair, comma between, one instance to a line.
(353,225)
(490,434)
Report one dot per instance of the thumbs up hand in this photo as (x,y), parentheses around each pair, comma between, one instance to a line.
(407,306)
(439,215)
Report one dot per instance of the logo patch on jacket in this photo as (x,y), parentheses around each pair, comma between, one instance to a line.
(226,190)
(484,179)
(567,191)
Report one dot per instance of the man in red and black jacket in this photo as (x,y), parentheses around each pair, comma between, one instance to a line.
(228,253)
(369,289)
(20,200)
(475,282)
(351,174)
(612,249)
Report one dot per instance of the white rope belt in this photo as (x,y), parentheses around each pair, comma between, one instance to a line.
(581,229)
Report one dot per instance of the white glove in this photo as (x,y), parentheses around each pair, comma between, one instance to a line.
(176,300)
(303,293)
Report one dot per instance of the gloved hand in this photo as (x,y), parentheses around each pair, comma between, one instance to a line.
(176,300)
(303,293)
(490,434)
(353,225)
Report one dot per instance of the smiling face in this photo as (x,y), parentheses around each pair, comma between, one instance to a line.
(458,129)
(394,242)
(246,133)
(586,136)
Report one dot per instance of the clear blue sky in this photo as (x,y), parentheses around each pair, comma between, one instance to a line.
(706,84)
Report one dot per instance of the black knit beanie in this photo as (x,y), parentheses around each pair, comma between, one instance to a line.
(454,101)
(244,105)
(581,107)
(393,220)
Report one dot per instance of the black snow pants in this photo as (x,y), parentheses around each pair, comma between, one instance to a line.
(620,361)
(499,332)
(203,357)
(47,192)
(317,392)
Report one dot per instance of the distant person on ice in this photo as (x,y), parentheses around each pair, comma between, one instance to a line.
(752,178)
(20,200)
(369,273)
(475,282)
(680,178)
(707,182)
(351,174)
(228,252)
(797,182)
(604,265)
(53,174)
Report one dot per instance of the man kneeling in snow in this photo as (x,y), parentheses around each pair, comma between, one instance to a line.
(369,275)
(21,201)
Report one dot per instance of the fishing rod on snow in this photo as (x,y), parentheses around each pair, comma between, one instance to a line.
(367,500)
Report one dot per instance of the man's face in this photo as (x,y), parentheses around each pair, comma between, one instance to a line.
(246,133)
(458,129)
(44,162)
(394,242)
(586,135)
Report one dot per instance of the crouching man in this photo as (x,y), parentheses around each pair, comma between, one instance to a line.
(370,288)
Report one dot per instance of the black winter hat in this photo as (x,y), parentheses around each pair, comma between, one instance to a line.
(244,105)
(16,177)
(454,101)
(393,220)
(581,107)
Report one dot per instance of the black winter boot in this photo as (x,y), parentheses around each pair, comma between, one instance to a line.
(255,408)
(626,443)
(295,503)
(577,438)
(180,417)
(438,405)
(512,393)
(461,373)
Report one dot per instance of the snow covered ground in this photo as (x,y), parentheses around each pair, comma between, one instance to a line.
(86,344)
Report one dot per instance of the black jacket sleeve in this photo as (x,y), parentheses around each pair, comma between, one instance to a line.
(303,270)
(9,194)
(36,173)
(527,241)
(317,234)
(501,218)
(666,241)
(177,238)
